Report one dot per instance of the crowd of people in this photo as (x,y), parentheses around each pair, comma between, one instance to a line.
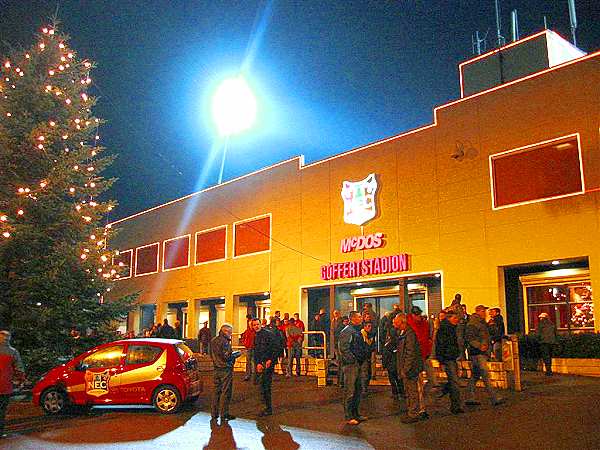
(408,344)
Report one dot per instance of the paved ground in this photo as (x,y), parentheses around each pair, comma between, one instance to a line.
(552,413)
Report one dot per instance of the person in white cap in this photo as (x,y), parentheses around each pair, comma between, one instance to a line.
(546,334)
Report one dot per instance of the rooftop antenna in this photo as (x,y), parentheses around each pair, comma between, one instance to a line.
(573,17)
(545,23)
(478,43)
(514,20)
(499,37)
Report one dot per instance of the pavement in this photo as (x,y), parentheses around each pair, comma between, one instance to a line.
(561,412)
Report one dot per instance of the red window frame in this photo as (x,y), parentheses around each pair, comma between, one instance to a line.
(180,261)
(252,236)
(216,248)
(119,258)
(143,248)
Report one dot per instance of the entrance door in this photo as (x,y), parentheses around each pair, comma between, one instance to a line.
(382,304)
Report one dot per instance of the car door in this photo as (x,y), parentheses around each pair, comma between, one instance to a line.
(142,371)
(101,374)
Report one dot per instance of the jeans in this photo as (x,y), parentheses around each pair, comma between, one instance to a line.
(365,375)
(250,369)
(352,390)
(395,382)
(414,401)
(265,380)
(4,398)
(546,350)
(223,388)
(451,369)
(294,354)
(480,371)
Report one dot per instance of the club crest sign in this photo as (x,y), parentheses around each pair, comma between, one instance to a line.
(97,383)
(359,200)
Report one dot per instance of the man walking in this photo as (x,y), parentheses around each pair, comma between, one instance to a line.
(477,339)
(410,365)
(353,352)
(546,334)
(266,352)
(11,368)
(223,359)
(447,351)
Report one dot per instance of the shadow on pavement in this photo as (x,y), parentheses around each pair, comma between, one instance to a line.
(221,437)
(274,437)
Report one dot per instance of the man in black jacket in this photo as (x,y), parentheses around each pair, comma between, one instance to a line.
(353,352)
(496,328)
(266,352)
(223,360)
(447,351)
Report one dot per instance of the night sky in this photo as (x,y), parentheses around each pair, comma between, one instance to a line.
(329,75)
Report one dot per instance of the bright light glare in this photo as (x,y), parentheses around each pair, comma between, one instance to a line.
(233,106)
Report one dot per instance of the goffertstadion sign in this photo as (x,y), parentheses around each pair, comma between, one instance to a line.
(365,267)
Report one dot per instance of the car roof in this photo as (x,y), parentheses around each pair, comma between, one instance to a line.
(149,341)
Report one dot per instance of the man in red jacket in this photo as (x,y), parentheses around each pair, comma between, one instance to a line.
(420,326)
(11,369)
(248,342)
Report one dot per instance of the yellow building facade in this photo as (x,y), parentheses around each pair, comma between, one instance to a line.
(498,199)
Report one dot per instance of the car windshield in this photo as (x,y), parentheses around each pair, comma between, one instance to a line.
(184,351)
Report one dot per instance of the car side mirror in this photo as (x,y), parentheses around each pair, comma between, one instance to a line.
(80,367)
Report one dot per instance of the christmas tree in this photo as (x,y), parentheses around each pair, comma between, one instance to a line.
(55,267)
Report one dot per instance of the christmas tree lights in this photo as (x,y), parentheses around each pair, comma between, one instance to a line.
(50,208)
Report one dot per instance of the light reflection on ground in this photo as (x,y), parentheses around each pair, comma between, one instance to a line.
(199,433)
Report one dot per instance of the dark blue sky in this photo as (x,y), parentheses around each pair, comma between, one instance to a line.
(329,75)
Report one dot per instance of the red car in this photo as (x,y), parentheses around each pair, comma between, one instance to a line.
(159,372)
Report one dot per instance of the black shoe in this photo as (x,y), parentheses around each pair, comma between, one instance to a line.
(457,411)
(3,435)
(549,374)
(266,412)
(227,417)
(499,402)
(423,416)
(408,419)
(472,403)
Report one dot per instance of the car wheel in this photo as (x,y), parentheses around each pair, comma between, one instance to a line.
(54,401)
(167,399)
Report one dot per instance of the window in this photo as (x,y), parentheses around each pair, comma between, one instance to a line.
(211,245)
(252,236)
(537,172)
(142,354)
(565,297)
(176,253)
(123,261)
(104,358)
(146,259)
